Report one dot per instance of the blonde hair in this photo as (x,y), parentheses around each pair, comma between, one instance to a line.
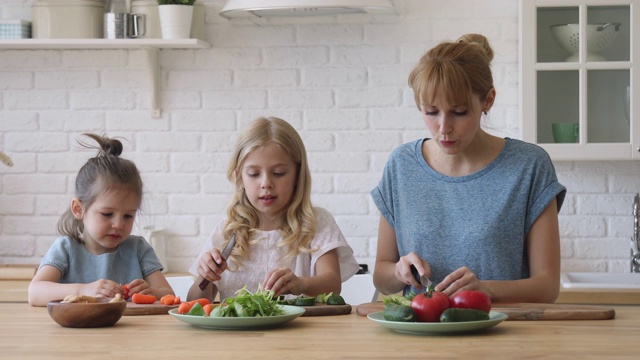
(459,70)
(99,175)
(299,225)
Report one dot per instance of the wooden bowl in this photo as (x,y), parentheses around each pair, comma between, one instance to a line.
(82,315)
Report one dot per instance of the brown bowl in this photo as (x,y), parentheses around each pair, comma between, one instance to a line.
(82,315)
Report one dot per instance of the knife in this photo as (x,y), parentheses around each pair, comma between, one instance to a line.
(225,253)
(423,280)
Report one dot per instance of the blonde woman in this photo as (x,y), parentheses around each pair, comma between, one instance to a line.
(282,242)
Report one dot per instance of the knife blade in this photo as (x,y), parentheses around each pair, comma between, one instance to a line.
(225,253)
(423,280)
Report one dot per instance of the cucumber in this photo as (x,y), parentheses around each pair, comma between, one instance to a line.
(398,312)
(335,300)
(460,315)
(304,301)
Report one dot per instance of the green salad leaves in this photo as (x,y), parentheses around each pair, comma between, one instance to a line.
(248,304)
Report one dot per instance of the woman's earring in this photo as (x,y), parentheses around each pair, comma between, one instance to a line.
(485,112)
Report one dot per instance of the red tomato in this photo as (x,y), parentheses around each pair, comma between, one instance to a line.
(471,299)
(429,305)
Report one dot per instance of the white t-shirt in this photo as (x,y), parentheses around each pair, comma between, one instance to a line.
(265,256)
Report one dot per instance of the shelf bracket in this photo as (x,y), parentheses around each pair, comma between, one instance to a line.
(154,77)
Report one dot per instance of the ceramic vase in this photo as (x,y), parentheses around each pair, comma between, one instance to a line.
(175,21)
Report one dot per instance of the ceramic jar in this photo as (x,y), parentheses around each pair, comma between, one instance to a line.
(67,19)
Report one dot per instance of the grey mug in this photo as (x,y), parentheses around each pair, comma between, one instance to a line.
(124,25)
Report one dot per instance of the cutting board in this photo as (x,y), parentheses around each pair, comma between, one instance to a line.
(326,310)
(530,311)
(148,309)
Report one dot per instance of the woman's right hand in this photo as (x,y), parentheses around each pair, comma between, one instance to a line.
(403,269)
(208,265)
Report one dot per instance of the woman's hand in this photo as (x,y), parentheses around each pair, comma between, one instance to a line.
(461,279)
(403,269)
(208,265)
(283,281)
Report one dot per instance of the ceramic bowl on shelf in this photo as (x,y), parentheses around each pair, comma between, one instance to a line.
(86,315)
(599,37)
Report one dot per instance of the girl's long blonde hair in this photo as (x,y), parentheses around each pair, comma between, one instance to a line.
(299,225)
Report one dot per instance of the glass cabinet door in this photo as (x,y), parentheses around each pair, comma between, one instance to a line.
(577,78)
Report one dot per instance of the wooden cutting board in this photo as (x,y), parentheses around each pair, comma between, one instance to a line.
(326,310)
(530,311)
(148,309)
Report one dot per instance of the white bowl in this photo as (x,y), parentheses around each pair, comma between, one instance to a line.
(599,37)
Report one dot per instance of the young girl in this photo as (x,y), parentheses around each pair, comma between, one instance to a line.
(468,209)
(282,242)
(96,255)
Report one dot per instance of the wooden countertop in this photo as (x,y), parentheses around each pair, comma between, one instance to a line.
(29,332)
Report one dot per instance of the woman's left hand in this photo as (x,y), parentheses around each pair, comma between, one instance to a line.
(461,279)
(139,286)
(283,281)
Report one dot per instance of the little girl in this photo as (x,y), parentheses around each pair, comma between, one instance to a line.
(282,242)
(96,255)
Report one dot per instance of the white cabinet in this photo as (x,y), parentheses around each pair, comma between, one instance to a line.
(150,46)
(580,62)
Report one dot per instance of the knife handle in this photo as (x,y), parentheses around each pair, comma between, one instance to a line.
(204,283)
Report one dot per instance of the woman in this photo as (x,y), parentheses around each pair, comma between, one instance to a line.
(471,211)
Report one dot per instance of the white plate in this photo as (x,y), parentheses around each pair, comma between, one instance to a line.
(240,323)
(438,328)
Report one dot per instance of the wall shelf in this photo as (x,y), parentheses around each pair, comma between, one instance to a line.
(151,46)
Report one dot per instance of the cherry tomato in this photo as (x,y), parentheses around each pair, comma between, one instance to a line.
(429,305)
(471,299)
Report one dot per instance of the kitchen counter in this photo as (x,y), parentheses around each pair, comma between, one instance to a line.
(14,281)
(29,332)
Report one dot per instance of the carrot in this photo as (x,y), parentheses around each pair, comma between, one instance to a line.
(167,299)
(176,301)
(184,307)
(207,309)
(143,299)
(202,301)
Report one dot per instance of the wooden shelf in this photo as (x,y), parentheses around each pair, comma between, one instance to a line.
(97,44)
(151,46)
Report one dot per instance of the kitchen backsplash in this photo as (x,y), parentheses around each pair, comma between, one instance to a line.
(341,81)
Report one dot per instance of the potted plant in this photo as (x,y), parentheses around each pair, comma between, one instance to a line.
(175,18)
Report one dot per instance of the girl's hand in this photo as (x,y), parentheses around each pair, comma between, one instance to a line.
(102,288)
(208,265)
(139,286)
(461,279)
(403,269)
(283,281)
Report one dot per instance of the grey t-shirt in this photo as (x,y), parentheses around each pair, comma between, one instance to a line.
(134,259)
(479,220)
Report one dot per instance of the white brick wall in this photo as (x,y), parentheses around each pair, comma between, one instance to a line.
(342,82)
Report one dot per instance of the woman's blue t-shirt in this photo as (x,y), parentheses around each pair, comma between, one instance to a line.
(479,220)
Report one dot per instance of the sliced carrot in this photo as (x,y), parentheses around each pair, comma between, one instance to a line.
(202,301)
(176,301)
(167,299)
(184,307)
(138,298)
(207,309)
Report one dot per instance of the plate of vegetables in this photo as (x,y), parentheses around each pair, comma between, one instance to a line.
(246,310)
(438,327)
(433,312)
